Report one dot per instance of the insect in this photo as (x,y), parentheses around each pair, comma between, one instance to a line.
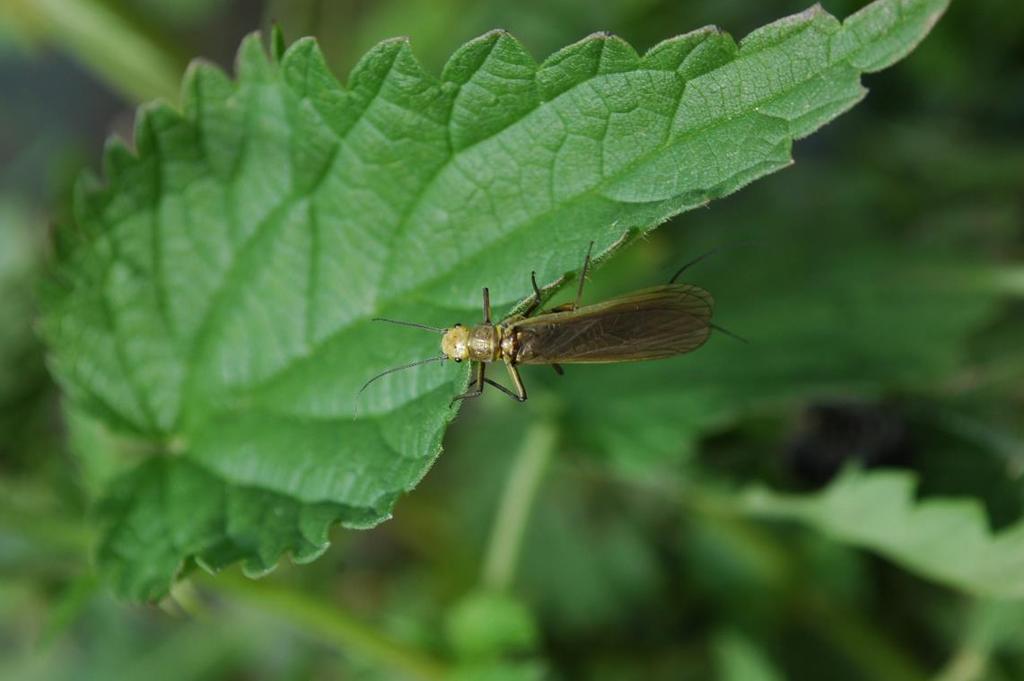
(652,323)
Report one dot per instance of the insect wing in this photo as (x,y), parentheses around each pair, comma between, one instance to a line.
(649,324)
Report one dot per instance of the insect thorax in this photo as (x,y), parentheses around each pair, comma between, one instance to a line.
(484,343)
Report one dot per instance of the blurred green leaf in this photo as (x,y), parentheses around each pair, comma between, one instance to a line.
(487,625)
(737,658)
(500,671)
(586,559)
(945,539)
(216,299)
(111,641)
(850,311)
(329,622)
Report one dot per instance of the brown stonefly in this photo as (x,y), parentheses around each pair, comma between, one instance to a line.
(653,323)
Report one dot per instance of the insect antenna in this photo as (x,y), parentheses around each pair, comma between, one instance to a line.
(399,368)
(729,333)
(412,324)
(691,263)
(707,254)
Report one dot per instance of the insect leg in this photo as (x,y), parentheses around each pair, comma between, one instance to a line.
(564,307)
(535,303)
(558,369)
(487,306)
(513,372)
(478,389)
(503,389)
(583,277)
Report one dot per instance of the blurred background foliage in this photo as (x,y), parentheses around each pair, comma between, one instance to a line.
(885,336)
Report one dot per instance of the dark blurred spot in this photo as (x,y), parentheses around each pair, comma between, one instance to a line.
(833,434)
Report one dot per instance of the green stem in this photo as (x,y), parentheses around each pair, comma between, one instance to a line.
(325,621)
(516,501)
(859,640)
(991,624)
(107,43)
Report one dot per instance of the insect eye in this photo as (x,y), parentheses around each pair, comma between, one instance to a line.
(458,360)
(457,325)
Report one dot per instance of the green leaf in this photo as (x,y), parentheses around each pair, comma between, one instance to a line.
(216,298)
(878,510)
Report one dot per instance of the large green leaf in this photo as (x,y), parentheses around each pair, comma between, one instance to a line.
(216,299)
(946,539)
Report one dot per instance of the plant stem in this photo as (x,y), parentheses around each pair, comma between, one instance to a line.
(991,624)
(321,619)
(857,638)
(516,501)
(107,43)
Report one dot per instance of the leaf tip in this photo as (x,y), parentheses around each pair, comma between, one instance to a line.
(399,41)
(493,34)
(117,156)
(310,553)
(252,60)
(883,32)
(304,67)
(303,45)
(257,569)
(147,117)
(203,80)
(498,44)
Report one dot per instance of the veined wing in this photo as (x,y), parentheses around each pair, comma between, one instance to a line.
(649,324)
